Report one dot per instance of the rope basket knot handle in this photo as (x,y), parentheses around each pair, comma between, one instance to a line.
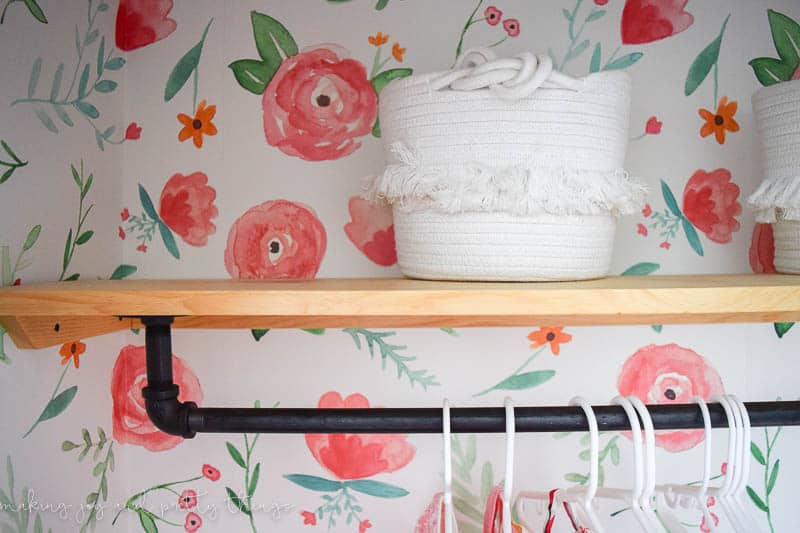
(510,78)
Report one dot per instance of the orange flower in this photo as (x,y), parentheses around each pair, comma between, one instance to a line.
(199,125)
(72,350)
(554,336)
(721,121)
(398,52)
(378,39)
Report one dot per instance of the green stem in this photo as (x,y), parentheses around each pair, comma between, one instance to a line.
(3,16)
(572,36)
(249,450)
(770,444)
(375,63)
(716,84)
(194,90)
(100,483)
(611,58)
(53,395)
(81,48)
(501,41)
(517,371)
(470,22)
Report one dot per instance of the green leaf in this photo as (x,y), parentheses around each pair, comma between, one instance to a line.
(45,119)
(115,63)
(123,271)
(578,50)
(614,453)
(657,327)
(147,204)
(268,33)
(83,84)
(786,36)
(574,477)
(76,177)
(237,501)
(62,114)
(68,446)
(641,269)
(57,82)
(254,480)
(757,454)
(92,37)
(781,328)
(97,470)
(691,236)
(35,10)
(487,480)
(669,199)
(169,240)
(37,524)
(624,62)
(84,237)
(10,475)
(773,477)
(757,499)
(73,277)
(33,236)
(6,266)
(258,333)
(584,455)
(101,56)
(383,78)
(318,484)
(67,246)
(376,488)
(87,109)
(7,174)
(103,488)
(526,380)
(376,129)
(381,4)
(252,75)
(235,455)
(88,185)
(315,331)
(466,509)
(567,14)
(91,498)
(704,62)
(185,67)
(36,71)
(594,64)
(105,86)
(11,152)
(770,71)
(595,15)
(147,521)
(57,405)
(102,7)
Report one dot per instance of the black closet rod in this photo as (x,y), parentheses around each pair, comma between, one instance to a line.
(186,418)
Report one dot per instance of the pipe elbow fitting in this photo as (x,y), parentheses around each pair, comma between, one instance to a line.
(166,412)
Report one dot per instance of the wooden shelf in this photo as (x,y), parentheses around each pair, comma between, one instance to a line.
(46,314)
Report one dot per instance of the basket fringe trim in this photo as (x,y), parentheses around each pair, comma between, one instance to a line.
(522,190)
(777,197)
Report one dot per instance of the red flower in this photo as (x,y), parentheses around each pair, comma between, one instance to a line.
(349,456)
(645,21)
(647,211)
(641,230)
(511,26)
(124,214)
(432,518)
(493,15)
(704,526)
(710,203)
(653,126)
(187,499)
(600,2)
(210,472)
(121,232)
(276,239)
(364,525)
(665,245)
(372,231)
(143,22)
(187,207)
(130,422)
(670,374)
(723,468)
(133,132)
(17,282)
(309,518)
(193,522)
(317,105)
(762,250)
(141,248)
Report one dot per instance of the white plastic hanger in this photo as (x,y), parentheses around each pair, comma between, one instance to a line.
(744,471)
(448,468)
(509,479)
(722,492)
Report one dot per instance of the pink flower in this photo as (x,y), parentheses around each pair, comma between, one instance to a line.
(704,526)
(317,105)
(210,472)
(653,126)
(309,518)
(143,22)
(711,501)
(187,207)
(130,421)
(670,374)
(276,239)
(17,282)
(141,248)
(372,231)
(493,15)
(364,525)
(431,520)
(511,26)
(762,249)
(641,230)
(350,456)
(187,499)
(193,522)
(124,214)
(133,132)
(121,232)
(645,21)
(710,203)
(724,468)
(647,211)
(665,245)
(600,2)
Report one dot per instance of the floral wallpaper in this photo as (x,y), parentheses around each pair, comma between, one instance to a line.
(162,139)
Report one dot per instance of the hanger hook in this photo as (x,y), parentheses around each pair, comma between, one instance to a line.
(594,446)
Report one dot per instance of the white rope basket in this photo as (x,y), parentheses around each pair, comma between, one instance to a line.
(504,169)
